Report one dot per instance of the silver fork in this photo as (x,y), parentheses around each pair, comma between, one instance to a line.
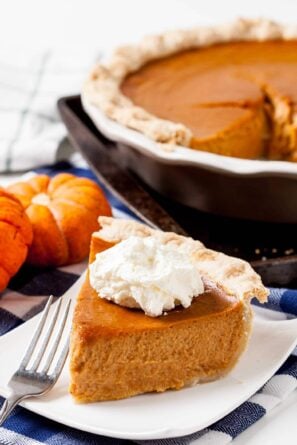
(33,382)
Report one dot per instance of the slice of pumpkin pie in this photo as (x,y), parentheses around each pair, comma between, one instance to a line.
(157,311)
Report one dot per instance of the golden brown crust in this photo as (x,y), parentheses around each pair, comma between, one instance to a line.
(233,274)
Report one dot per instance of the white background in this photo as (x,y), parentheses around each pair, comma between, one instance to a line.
(102,23)
(36,24)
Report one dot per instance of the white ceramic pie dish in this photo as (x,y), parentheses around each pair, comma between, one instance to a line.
(184,155)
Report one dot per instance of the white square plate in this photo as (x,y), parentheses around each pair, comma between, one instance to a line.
(142,417)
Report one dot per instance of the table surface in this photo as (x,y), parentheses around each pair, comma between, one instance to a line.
(36,25)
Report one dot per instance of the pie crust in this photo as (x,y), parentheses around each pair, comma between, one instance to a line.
(235,276)
(102,88)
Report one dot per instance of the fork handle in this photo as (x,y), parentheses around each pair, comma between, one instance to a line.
(8,405)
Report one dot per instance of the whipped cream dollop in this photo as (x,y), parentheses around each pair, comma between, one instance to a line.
(143,273)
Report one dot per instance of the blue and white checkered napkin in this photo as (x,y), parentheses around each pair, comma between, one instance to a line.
(26,296)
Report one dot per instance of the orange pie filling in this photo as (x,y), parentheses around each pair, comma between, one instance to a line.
(238,99)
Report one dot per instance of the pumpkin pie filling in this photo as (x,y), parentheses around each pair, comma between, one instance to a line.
(117,352)
(121,352)
(237,98)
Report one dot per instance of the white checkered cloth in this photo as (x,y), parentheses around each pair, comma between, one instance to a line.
(30,84)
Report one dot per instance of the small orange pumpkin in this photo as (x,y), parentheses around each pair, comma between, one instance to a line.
(15,236)
(63,211)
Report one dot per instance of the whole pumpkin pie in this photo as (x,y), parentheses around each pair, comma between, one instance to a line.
(118,351)
(228,89)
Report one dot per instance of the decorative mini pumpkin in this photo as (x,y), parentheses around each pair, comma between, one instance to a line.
(15,236)
(63,212)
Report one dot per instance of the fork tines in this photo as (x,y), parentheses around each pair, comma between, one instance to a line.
(45,338)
